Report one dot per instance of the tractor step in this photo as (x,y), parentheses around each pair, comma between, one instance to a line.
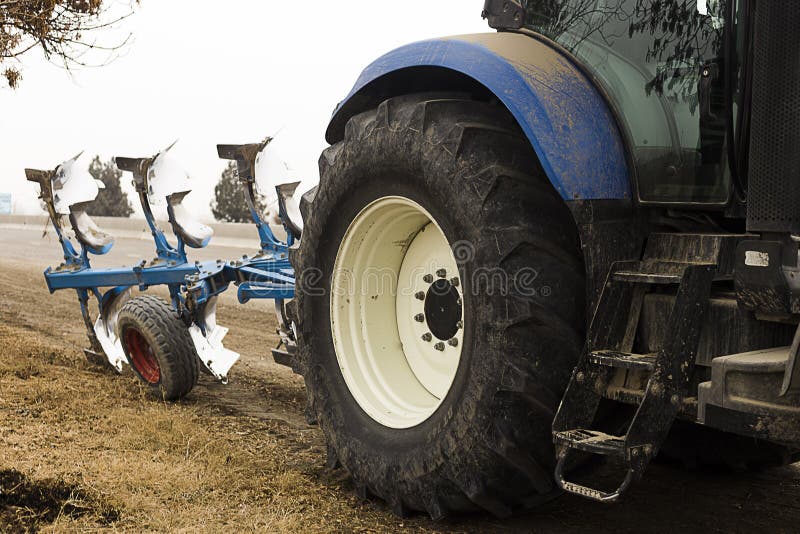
(623,360)
(592,441)
(591,493)
(646,278)
(610,341)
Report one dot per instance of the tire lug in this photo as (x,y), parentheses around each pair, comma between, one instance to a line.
(441,273)
(427,337)
(453,342)
(439,346)
(420,318)
(420,295)
(428,278)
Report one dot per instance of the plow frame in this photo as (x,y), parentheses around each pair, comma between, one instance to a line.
(193,286)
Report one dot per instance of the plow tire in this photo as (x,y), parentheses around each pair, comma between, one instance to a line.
(488,445)
(158,347)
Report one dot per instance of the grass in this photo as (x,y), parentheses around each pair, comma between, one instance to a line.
(160,466)
(142,465)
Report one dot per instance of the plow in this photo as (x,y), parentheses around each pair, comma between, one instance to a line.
(166,343)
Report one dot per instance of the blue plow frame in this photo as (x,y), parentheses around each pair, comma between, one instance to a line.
(192,285)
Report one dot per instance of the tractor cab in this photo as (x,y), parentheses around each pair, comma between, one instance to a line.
(665,68)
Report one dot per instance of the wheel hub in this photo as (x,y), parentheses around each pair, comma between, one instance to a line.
(143,359)
(397,312)
(443,310)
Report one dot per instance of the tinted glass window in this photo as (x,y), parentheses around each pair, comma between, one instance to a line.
(661,62)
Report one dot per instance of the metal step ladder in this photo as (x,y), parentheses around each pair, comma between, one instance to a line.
(609,348)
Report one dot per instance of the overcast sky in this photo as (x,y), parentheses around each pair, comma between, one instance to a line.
(208,73)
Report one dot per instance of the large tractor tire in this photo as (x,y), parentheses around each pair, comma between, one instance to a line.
(158,347)
(441,307)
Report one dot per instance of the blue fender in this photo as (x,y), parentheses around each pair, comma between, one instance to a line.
(566,119)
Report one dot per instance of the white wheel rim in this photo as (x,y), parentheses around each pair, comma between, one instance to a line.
(396,312)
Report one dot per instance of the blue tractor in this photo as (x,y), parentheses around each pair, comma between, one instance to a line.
(576,237)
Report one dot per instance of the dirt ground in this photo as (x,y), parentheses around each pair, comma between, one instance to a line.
(82,448)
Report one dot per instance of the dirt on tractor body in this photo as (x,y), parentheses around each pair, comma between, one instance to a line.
(84,448)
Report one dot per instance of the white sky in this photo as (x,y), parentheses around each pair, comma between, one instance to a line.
(208,73)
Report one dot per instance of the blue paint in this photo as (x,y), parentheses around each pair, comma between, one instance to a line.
(563,115)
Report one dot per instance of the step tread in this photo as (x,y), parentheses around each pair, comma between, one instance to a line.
(584,491)
(593,441)
(646,278)
(623,360)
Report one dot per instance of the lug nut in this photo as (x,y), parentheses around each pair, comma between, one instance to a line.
(439,346)
(427,337)
(455,282)
(441,273)
(453,342)
(428,278)
(460,325)
(419,318)
(420,295)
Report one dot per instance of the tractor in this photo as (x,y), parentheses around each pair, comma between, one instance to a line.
(576,237)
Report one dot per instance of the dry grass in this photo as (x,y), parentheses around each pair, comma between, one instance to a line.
(144,465)
(162,466)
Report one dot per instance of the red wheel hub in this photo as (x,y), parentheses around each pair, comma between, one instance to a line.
(142,357)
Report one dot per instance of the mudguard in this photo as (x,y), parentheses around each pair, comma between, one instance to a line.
(565,117)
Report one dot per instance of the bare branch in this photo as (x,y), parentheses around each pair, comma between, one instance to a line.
(60,29)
